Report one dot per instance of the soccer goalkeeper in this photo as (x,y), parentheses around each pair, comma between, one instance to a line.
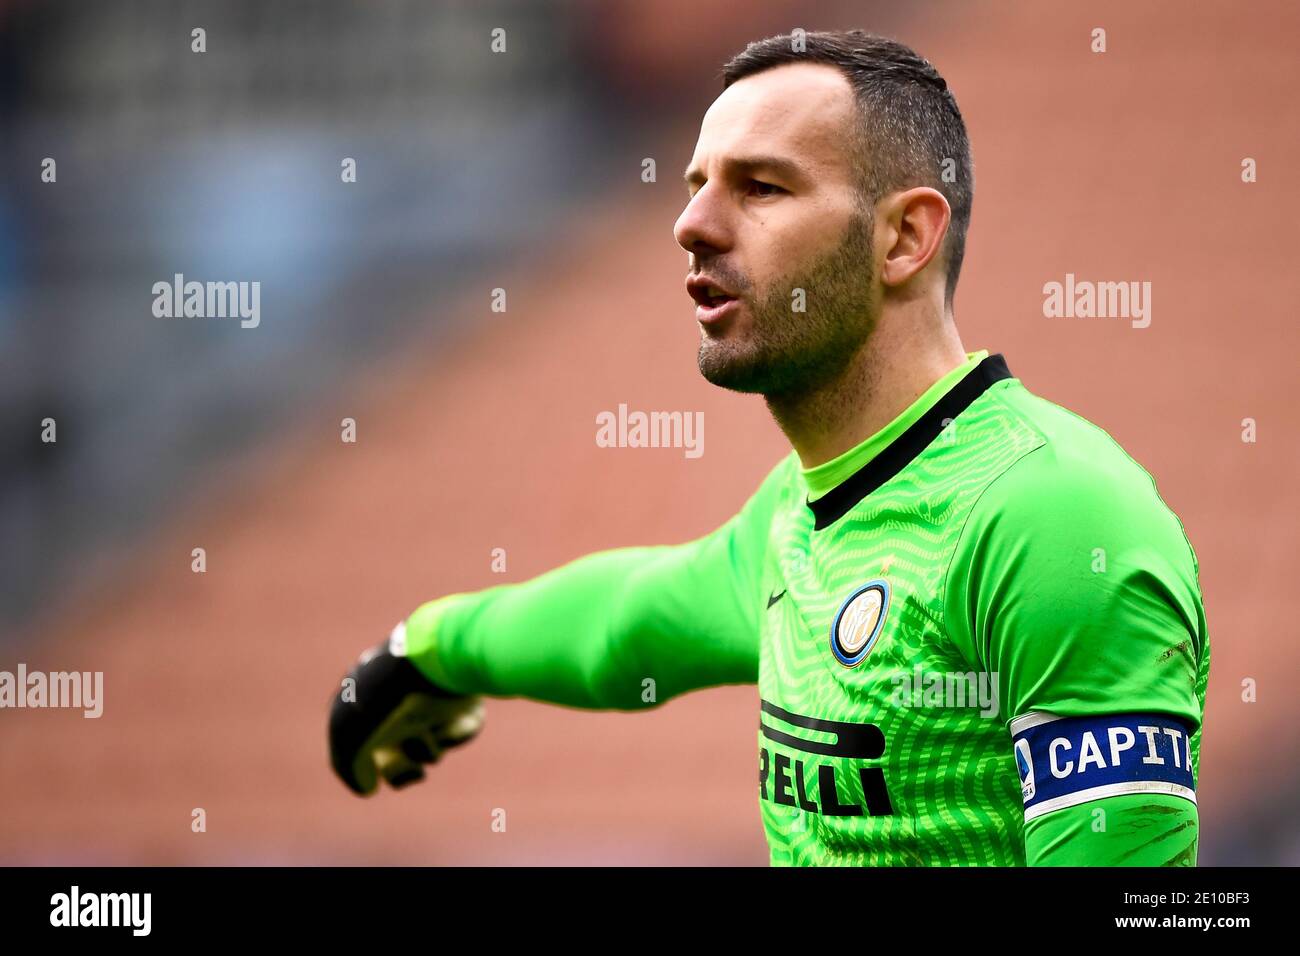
(977,631)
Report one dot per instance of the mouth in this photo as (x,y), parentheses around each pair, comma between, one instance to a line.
(713,302)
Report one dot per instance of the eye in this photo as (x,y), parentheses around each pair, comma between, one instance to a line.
(759,188)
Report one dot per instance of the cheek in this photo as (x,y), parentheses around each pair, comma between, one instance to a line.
(788,244)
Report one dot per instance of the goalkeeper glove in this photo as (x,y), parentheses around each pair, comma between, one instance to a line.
(388,719)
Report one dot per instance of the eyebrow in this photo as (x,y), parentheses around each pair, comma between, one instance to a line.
(777,164)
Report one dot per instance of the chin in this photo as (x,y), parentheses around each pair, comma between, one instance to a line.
(725,365)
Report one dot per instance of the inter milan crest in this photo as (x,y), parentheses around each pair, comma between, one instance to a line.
(858,623)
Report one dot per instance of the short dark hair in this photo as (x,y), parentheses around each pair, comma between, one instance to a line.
(910,128)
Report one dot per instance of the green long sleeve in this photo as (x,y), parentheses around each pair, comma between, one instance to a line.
(623,629)
(1148,829)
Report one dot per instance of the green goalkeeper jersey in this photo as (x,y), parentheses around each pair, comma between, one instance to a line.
(978,638)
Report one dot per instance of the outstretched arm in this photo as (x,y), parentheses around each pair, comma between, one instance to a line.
(624,629)
(621,629)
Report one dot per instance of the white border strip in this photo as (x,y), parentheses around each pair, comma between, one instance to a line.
(1032,719)
(1109,790)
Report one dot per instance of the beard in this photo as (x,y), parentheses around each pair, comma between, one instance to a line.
(787,353)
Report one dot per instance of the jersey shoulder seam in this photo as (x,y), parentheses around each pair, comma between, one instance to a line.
(1140,467)
(952,555)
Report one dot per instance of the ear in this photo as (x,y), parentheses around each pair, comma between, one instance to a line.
(914,223)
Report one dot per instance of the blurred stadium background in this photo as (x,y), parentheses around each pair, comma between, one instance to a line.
(522,170)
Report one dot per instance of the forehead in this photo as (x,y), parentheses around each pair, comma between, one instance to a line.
(801,111)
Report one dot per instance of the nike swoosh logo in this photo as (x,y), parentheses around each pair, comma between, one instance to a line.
(774,598)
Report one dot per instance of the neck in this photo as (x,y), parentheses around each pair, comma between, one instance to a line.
(891,370)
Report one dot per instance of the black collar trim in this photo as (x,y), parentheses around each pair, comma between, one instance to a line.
(899,453)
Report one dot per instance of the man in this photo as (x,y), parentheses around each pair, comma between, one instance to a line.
(977,631)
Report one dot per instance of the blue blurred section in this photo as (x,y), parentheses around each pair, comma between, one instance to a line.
(226,166)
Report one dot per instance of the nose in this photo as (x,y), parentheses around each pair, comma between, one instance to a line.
(702,228)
